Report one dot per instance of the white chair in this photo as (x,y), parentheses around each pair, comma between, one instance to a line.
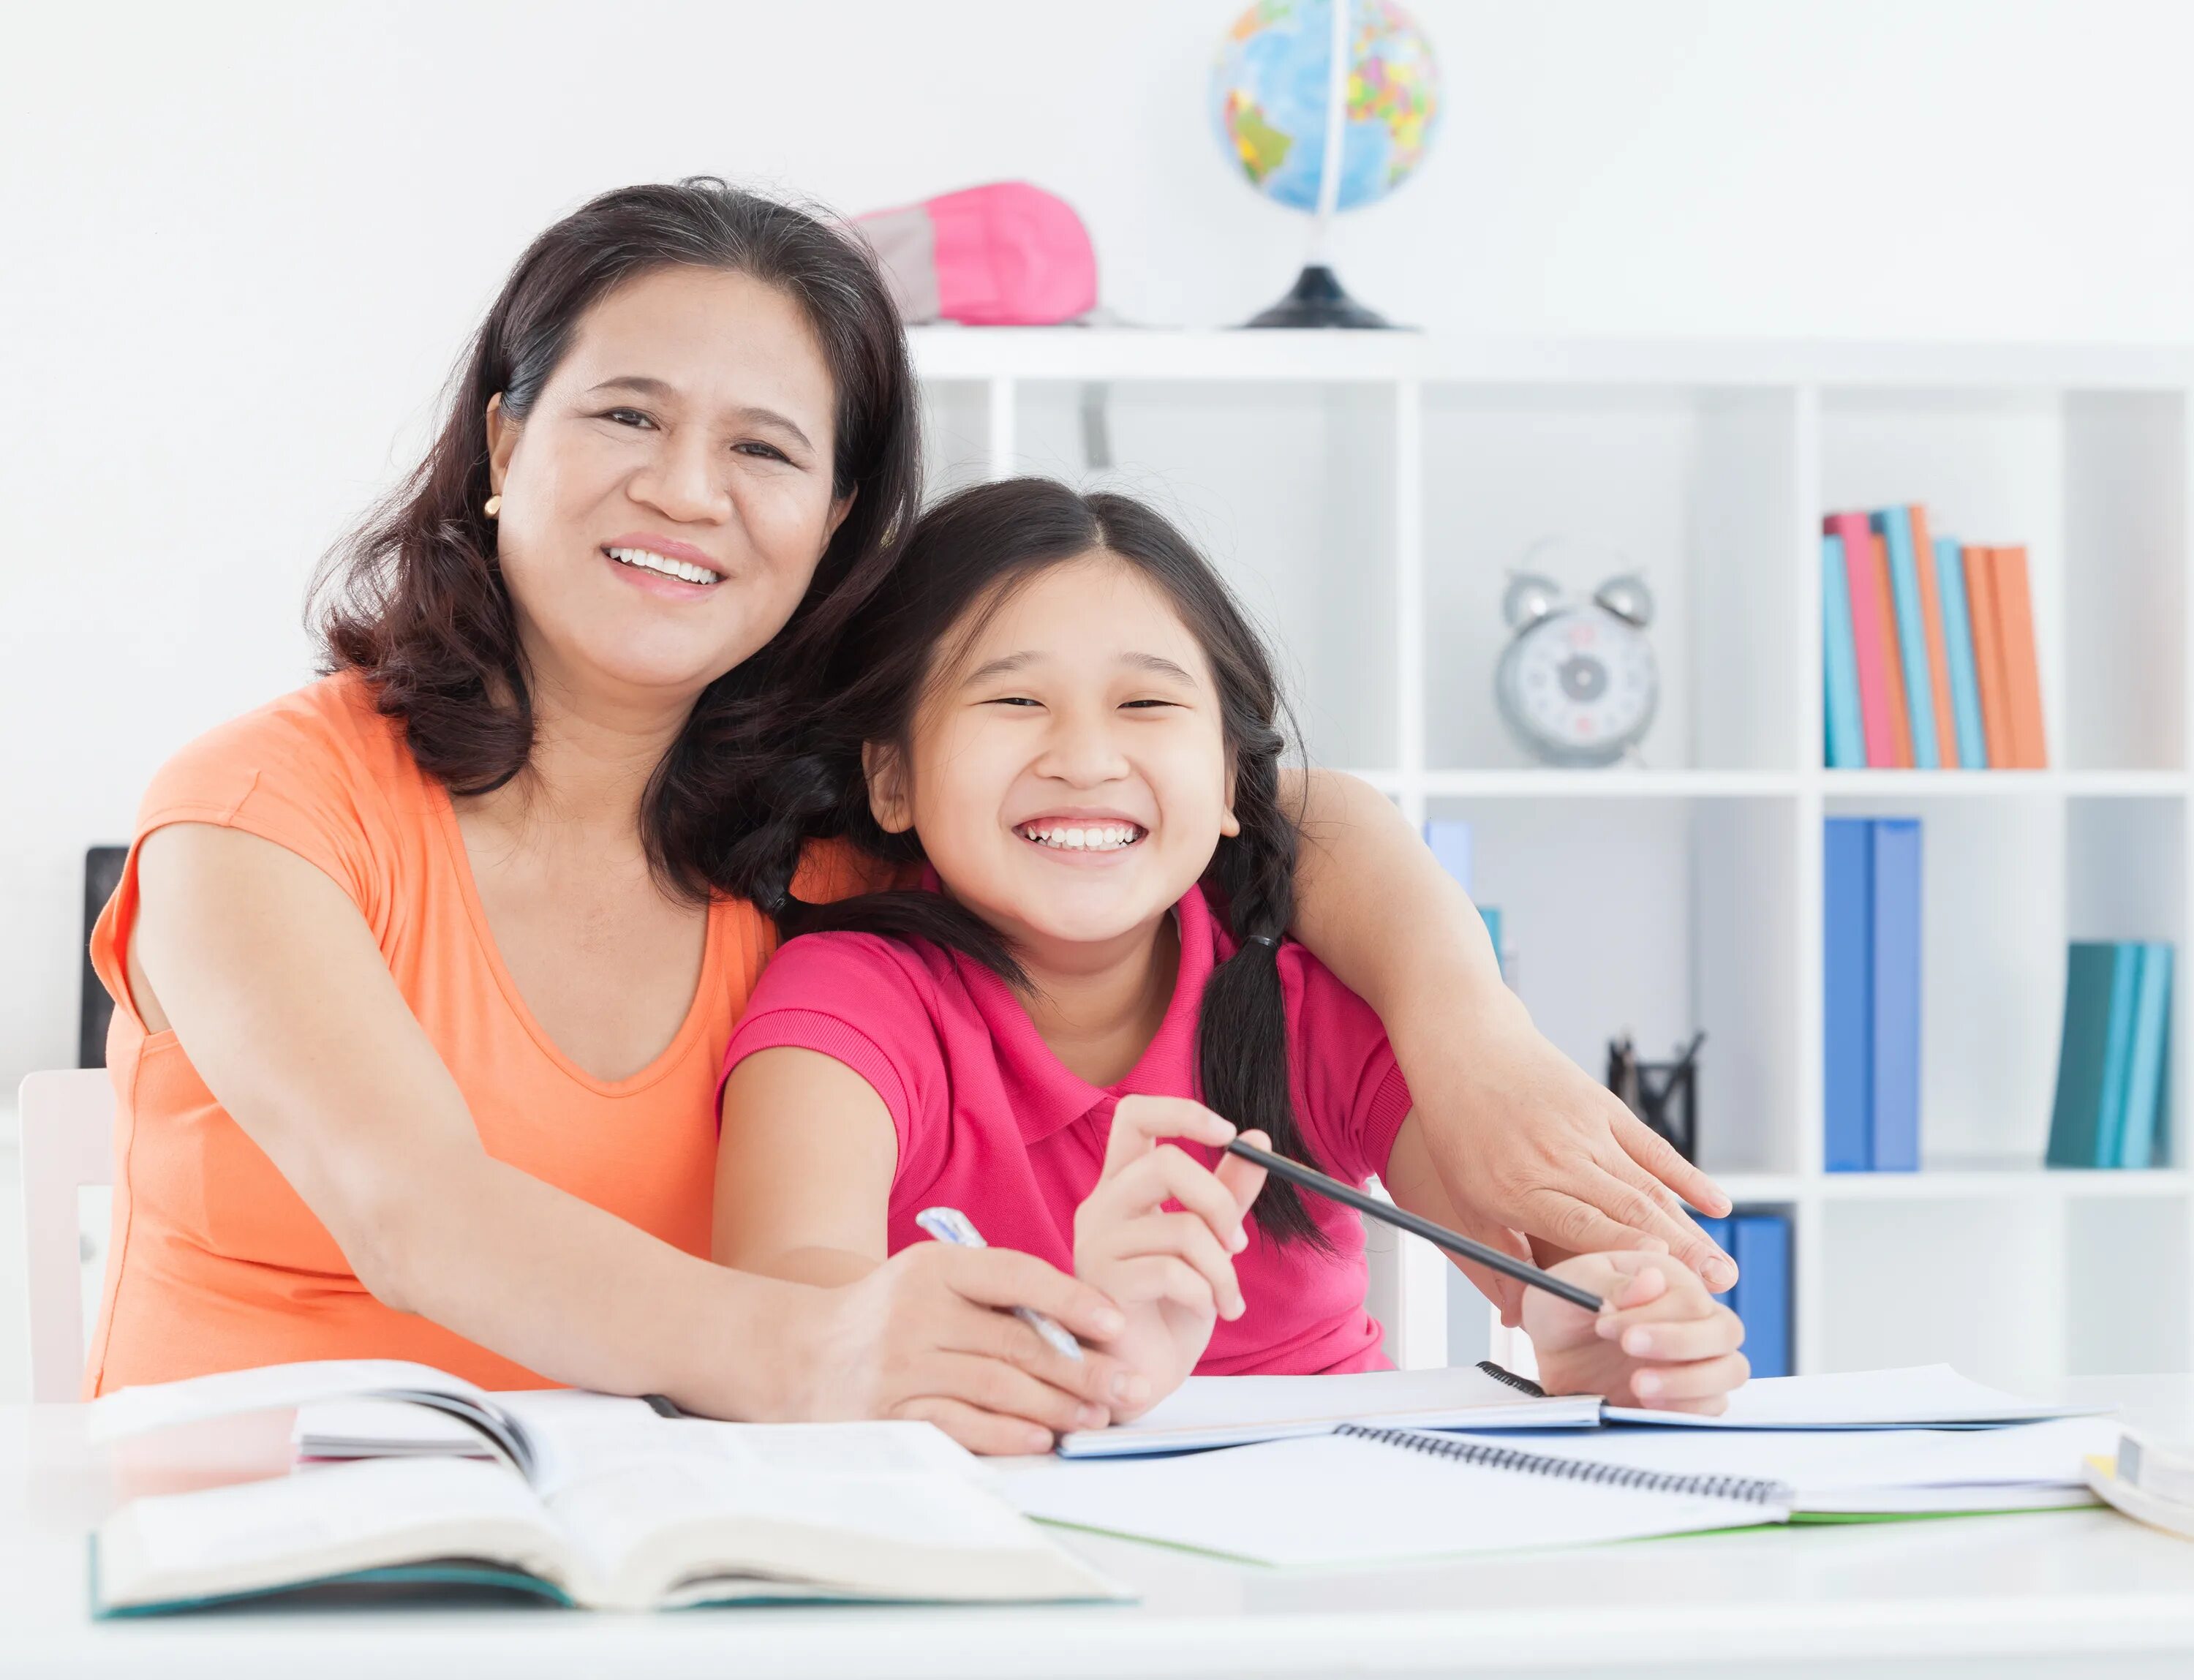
(68,1143)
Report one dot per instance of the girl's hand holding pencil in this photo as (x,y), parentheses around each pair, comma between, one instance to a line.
(1159,1233)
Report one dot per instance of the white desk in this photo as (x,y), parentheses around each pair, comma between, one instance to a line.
(2076,1593)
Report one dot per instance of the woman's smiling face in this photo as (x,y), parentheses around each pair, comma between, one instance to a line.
(1066,770)
(667,498)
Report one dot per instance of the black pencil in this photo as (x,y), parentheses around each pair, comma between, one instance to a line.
(1453,1241)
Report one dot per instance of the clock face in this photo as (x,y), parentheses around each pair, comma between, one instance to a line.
(1579,687)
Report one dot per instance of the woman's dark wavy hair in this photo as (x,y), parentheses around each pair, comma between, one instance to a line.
(415,601)
(963,558)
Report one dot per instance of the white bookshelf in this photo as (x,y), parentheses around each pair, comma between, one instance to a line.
(1367,492)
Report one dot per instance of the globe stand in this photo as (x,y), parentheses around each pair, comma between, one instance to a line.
(1317,300)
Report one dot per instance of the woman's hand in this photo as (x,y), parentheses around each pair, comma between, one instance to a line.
(1664,1341)
(1173,1272)
(930,1334)
(1523,1141)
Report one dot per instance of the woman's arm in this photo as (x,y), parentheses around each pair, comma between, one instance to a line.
(278,995)
(1522,1140)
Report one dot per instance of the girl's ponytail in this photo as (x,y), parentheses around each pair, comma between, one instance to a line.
(1242,1029)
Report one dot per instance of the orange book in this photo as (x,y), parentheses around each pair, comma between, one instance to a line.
(1938,652)
(1988,655)
(1900,715)
(2022,670)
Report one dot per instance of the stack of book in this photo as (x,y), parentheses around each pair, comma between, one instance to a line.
(1926,649)
(1759,1243)
(1870,984)
(2110,1069)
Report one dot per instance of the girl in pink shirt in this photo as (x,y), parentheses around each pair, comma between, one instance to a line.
(1056,713)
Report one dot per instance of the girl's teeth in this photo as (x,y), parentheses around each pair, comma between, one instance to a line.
(649,561)
(1111,837)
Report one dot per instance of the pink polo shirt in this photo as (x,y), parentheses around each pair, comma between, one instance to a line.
(990,1122)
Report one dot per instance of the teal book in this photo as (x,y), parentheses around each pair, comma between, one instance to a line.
(2152,1035)
(1895,524)
(1845,743)
(2074,1133)
(1958,645)
(2117,1054)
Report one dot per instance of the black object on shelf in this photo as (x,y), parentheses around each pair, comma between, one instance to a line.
(1665,1095)
(102,874)
(1317,300)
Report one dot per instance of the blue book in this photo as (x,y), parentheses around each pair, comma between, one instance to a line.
(1958,644)
(2152,1013)
(2082,1054)
(2117,1055)
(1895,524)
(1894,1110)
(1763,1288)
(1845,743)
(1449,839)
(1847,989)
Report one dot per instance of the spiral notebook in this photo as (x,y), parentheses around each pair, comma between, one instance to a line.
(1364,1495)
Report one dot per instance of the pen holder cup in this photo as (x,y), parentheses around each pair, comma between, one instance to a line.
(1667,1099)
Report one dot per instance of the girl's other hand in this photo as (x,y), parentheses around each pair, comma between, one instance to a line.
(1664,1341)
(930,1334)
(1159,1233)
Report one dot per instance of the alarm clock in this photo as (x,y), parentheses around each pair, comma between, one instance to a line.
(1577,684)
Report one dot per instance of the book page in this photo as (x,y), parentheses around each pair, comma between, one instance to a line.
(388,1428)
(859,1507)
(269,1387)
(322,1522)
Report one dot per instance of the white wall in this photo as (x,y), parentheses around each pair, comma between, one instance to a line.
(243,244)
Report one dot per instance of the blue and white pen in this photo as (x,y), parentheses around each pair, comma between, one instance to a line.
(949,1224)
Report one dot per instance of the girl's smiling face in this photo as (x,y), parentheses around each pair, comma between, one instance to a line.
(1065,769)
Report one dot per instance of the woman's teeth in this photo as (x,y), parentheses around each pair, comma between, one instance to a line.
(1102,836)
(647,561)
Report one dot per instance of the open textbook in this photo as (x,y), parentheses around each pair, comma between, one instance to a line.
(609,1506)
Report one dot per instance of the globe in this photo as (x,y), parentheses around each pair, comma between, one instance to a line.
(1271,91)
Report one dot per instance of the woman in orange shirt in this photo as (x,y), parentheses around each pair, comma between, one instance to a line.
(423,974)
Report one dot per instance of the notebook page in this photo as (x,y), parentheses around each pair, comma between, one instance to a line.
(1223,1411)
(1893,1470)
(1329,1500)
(1932,1395)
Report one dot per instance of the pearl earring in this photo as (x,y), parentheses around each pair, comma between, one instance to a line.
(492,506)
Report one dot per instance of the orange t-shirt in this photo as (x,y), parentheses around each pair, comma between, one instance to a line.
(216,1263)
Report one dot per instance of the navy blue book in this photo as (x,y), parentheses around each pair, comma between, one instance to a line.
(1847,1002)
(1763,1290)
(1894,1112)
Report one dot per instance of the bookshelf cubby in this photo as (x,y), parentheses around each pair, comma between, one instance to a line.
(1368,492)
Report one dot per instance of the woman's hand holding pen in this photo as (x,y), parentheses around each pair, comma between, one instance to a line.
(1664,1342)
(929,1334)
(1159,1232)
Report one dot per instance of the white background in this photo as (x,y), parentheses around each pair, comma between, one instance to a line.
(243,244)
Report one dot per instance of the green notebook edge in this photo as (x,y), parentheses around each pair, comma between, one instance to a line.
(406,1575)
